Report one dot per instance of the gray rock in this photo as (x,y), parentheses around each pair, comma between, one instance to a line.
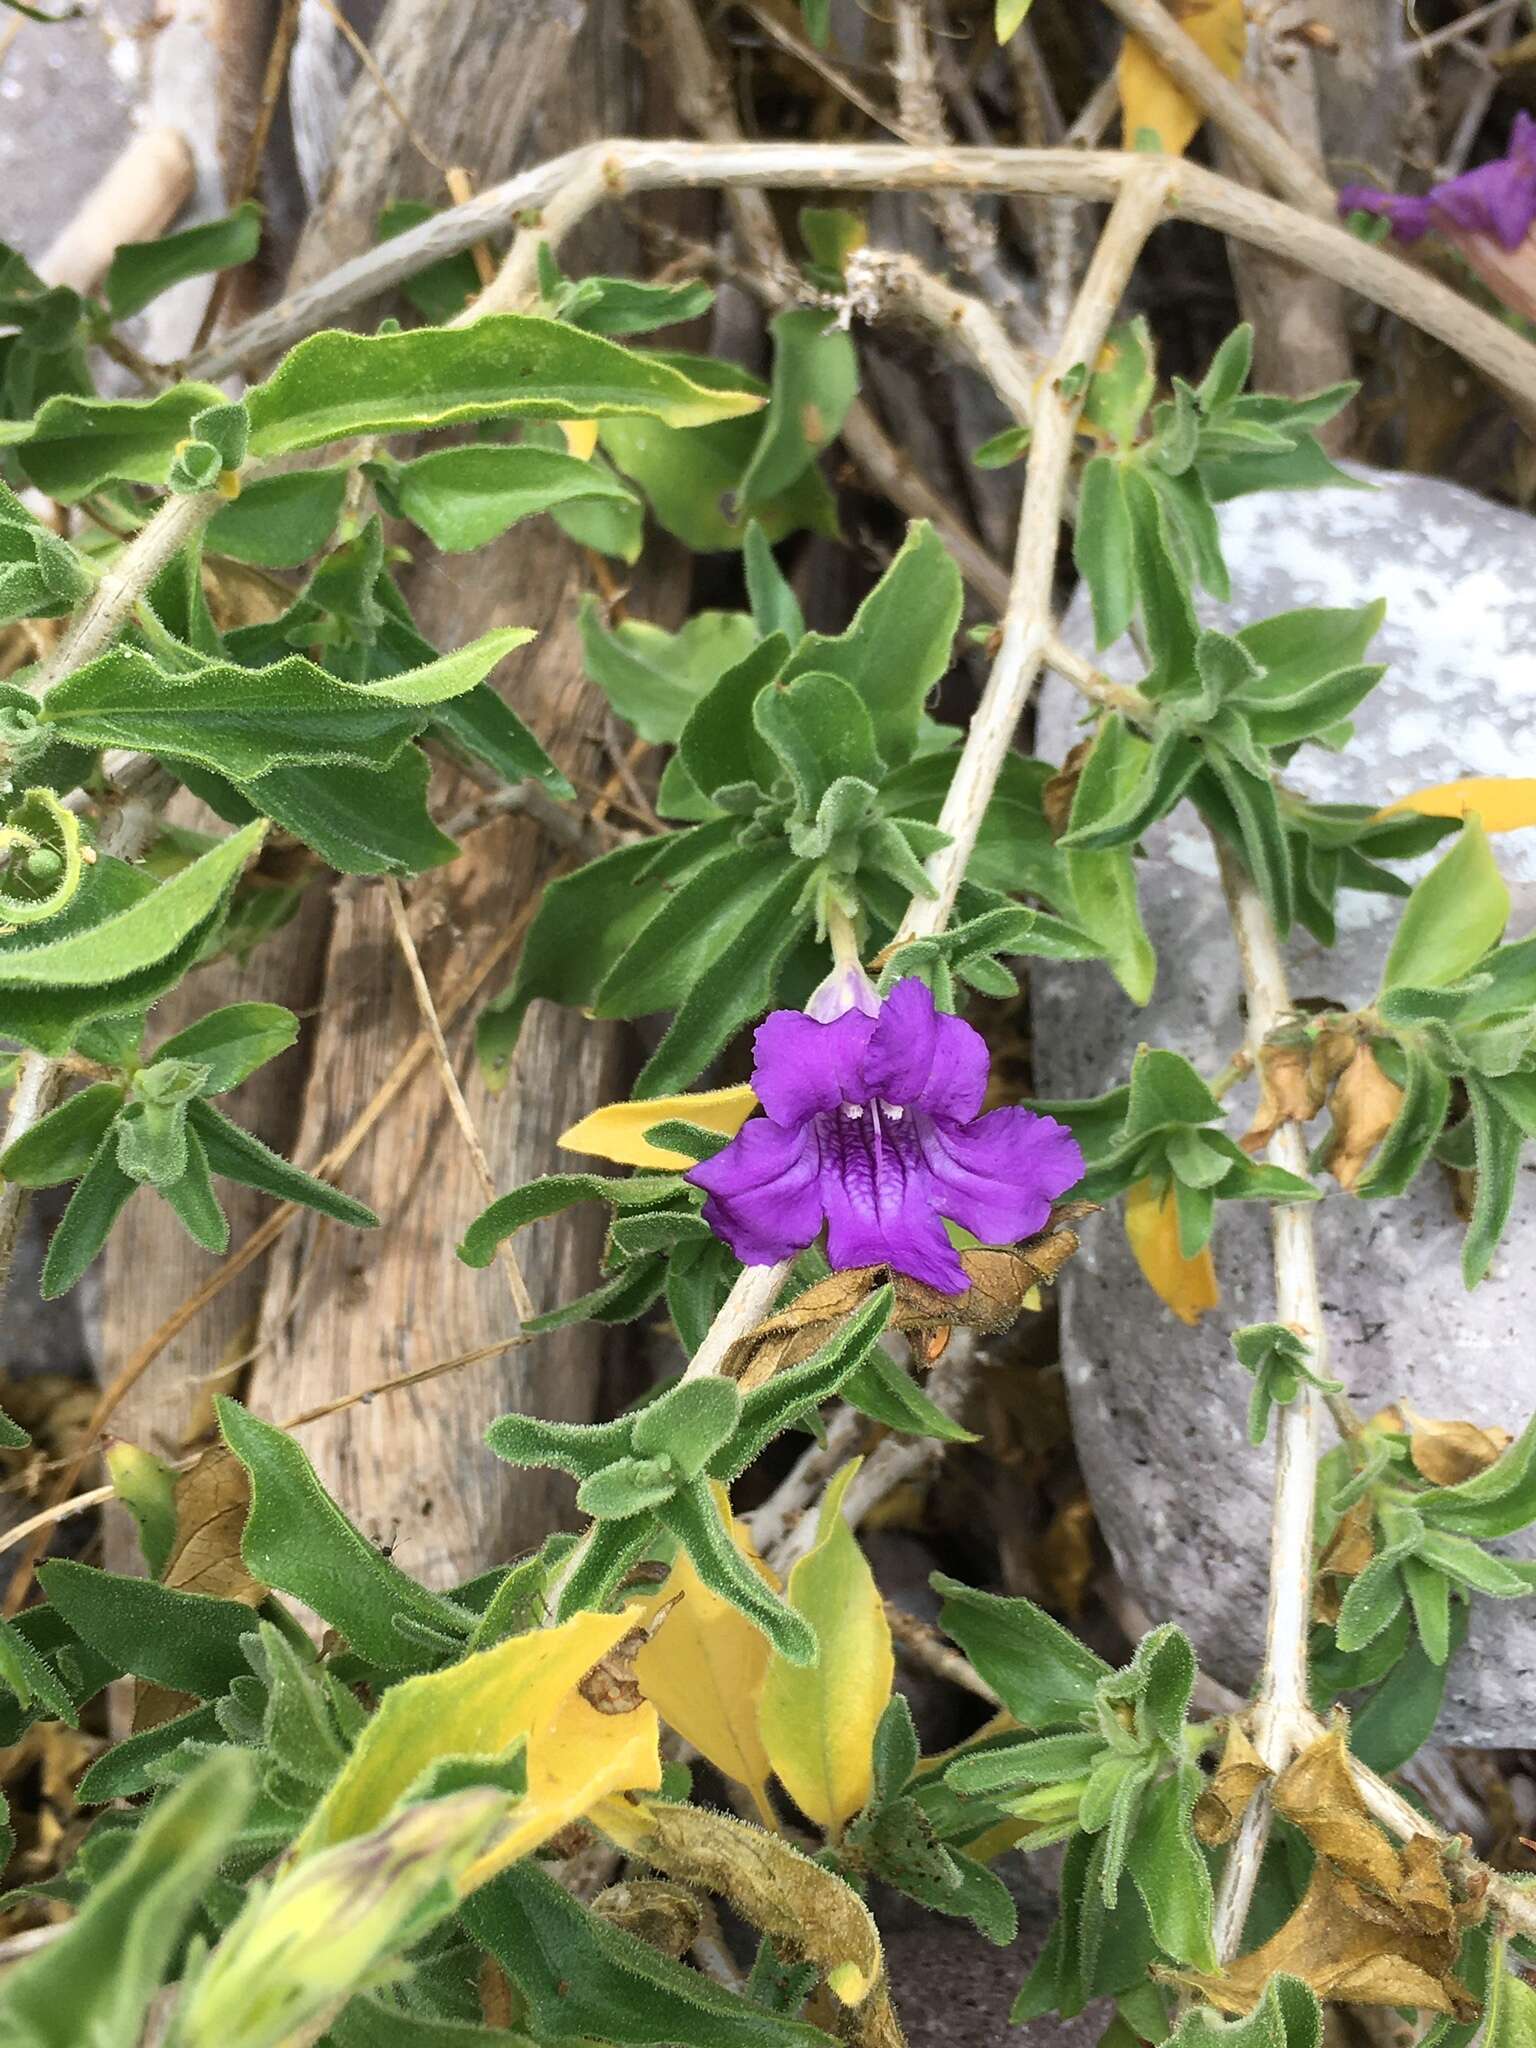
(1159,1409)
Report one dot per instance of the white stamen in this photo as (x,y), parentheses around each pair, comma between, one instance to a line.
(894,1110)
(853,1111)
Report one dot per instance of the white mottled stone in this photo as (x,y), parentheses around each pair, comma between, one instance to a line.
(1159,1409)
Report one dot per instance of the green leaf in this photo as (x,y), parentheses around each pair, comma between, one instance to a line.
(688,1424)
(629,1486)
(720,745)
(548,1197)
(737,986)
(461,498)
(504,366)
(371,2023)
(75,445)
(136,936)
(1103,548)
(820,730)
(146,1486)
(1419,1121)
(886,1390)
(1103,883)
(196,1205)
(899,643)
(1043,1675)
(232,1042)
(96,1983)
(815,380)
(188,1641)
(775,608)
(1452,918)
(61,1146)
(654,679)
(1123,382)
(238,1156)
(297,1540)
(83,1229)
(489,730)
(1400,1715)
(694,1519)
(585,923)
(141,271)
(1499,1140)
(692,478)
(625,305)
(244,723)
(277,522)
(1170,1872)
(1288,2016)
(581,1973)
(998,450)
(1170,765)
(364,821)
(794,1392)
(1373,1600)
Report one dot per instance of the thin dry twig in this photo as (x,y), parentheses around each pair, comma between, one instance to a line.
(517,1286)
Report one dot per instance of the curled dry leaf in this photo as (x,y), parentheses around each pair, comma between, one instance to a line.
(1001,1282)
(1225,1800)
(1378,1925)
(1350,1549)
(1365,1106)
(1056,797)
(811,1915)
(212,1500)
(1445,1451)
(1296,1070)
(664,1916)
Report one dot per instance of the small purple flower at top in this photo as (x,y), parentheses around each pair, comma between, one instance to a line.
(1486,213)
(873,1128)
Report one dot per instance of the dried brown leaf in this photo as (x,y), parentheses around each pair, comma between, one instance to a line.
(1364,1106)
(1349,1550)
(1000,1282)
(213,1498)
(1378,1925)
(1238,1776)
(1058,793)
(1317,1793)
(1446,1452)
(1294,1073)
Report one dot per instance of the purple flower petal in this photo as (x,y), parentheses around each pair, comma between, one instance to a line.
(802,1067)
(921,1058)
(764,1198)
(1411,216)
(879,1202)
(998,1176)
(1497,199)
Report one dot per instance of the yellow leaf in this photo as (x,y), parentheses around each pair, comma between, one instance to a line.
(818,1721)
(1188,1286)
(1503,802)
(808,1910)
(702,1670)
(581,1757)
(617,1131)
(580,438)
(482,1706)
(1150,102)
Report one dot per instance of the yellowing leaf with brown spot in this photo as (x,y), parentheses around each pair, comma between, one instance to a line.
(1150,102)
(702,1670)
(818,1721)
(1188,1286)
(1504,802)
(617,1131)
(482,1706)
(581,1757)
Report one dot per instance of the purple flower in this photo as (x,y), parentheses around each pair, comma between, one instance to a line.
(1497,201)
(873,1129)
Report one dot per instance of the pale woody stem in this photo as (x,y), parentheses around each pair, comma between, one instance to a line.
(1028,627)
(1281,1708)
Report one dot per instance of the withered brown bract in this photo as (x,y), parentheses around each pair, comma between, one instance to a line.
(1000,1281)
